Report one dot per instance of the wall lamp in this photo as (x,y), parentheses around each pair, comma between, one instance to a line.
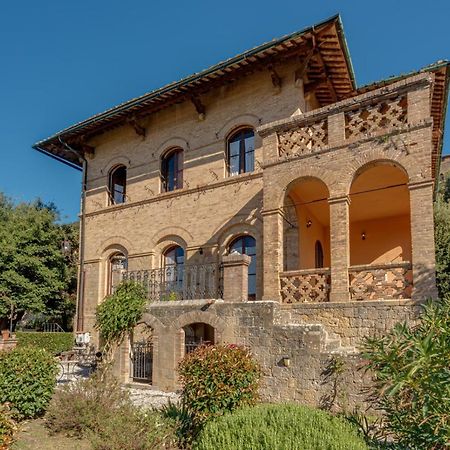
(308,223)
(363,235)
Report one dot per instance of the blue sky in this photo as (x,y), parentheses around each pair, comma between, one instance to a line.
(64,61)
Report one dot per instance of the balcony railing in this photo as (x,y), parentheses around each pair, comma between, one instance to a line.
(187,282)
(381,281)
(305,286)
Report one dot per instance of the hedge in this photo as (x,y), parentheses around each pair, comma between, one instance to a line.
(54,343)
(287,427)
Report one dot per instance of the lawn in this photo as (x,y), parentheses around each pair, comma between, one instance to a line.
(34,436)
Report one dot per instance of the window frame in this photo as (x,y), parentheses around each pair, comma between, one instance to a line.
(241,131)
(111,185)
(177,180)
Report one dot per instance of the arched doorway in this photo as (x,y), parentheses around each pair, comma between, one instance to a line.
(380,233)
(141,354)
(197,334)
(246,245)
(306,242)
(306,210)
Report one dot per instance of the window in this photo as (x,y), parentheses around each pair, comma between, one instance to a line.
(246,245)
(174,267)
(319,255)
(241,151)
(117,185)
(172,170)
(118,264)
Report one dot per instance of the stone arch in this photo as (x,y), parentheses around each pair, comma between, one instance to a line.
(239,121)
(114,244)
(113,162)
(286,181)
(171,143)
(232,231)
(153,322)
(176,234)
(207,317)
(377,156)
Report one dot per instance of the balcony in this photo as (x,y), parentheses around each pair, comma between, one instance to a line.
(186,282)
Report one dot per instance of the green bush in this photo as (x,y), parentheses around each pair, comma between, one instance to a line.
(27,380)
(54,343)
(8,426)
(411,377)
(119,313)
(218,379)
(98,408)
(281,427)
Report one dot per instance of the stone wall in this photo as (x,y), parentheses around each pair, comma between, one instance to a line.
(312,338)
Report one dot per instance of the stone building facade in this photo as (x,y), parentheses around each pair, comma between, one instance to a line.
(266,201)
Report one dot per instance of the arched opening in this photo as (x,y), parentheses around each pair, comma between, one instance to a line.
(173,274)
(117,185)
(197,334)
(141,355)
(307,225)
(246,245)
(117,265)
(241,151)
(380,233)
(172,170)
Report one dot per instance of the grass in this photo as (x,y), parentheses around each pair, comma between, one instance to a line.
(34,436)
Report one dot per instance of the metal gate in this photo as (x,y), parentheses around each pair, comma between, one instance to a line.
(142,362)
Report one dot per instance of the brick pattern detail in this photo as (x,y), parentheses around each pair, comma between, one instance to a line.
(303,286)
(381,282)
(369,119)
(303,140)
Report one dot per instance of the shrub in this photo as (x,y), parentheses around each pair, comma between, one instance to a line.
(119,313)
(217,379)
(411,377)
(27,380)
(100,410)
(268,427)
(183,421)
(8,426)
(54,343)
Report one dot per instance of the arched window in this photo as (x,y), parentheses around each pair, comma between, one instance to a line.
(118,264)
(172,170)
(241,151)
(246,245)
(319,255)
(173,273)
(117,185)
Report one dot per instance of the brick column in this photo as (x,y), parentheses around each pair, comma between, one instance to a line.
(422,240)
(272,253)
(339,248)
(336,129)
(235,277)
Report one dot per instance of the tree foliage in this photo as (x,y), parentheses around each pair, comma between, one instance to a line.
(35,275)
(119,313)
(412,378)
(442,241)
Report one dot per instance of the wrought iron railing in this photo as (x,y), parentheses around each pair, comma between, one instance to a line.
(142,362)
(185,282)
(381,281)
(305,286)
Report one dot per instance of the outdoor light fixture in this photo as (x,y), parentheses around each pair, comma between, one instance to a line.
(308,223)
(363,235)
(66,247)
(200,250)
(286,361)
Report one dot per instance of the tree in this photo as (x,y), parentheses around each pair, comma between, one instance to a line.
(35,275)
(442,237)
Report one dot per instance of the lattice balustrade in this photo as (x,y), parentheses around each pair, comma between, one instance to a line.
(389,113)
(379,282)
(303,286)
(303,140)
